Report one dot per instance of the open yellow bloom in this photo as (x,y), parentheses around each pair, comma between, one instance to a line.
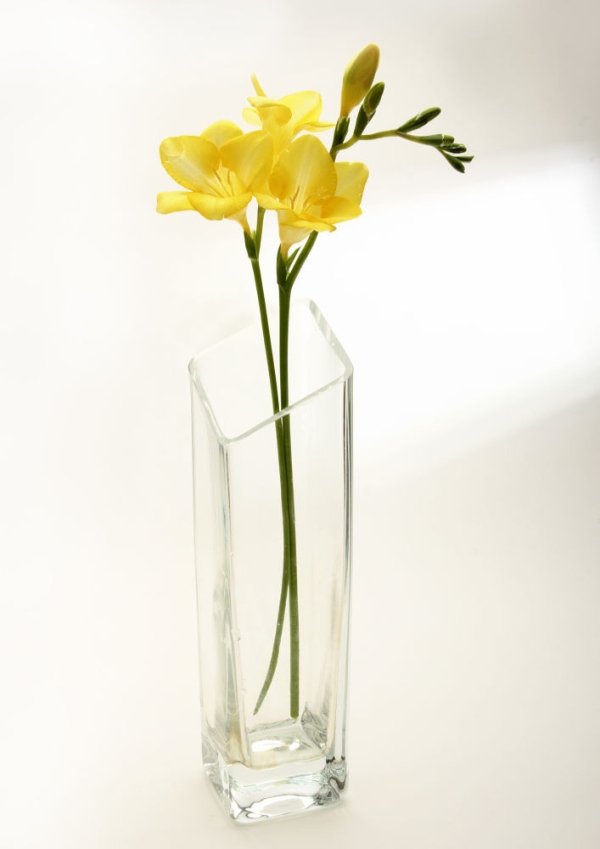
(220,168)
(312,192)
(283,119)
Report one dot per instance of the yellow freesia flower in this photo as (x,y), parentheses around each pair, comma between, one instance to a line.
(220,168)
(312,192)
(283,119)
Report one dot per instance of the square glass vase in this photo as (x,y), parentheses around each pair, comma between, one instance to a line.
(273,530)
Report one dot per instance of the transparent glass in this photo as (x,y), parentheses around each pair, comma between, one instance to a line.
(267,763)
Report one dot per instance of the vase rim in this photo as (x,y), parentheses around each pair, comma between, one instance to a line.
(329,337)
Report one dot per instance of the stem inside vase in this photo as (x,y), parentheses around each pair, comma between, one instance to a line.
(280,401)
(287,272)
(292,560)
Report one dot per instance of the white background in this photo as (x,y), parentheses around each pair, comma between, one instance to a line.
(471,308)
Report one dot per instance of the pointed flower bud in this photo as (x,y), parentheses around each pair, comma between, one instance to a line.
(341,130)
(420,120)
(362,119)
(358,78)
(373,99)
(437,140)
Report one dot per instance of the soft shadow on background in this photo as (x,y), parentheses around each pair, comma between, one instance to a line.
(471,307)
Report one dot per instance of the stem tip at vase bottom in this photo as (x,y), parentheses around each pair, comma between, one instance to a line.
(262,763)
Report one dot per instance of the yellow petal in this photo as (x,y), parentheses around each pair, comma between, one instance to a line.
(257,86)
(268,201)
(173,202)
(221,132)
(289,236)
(305,173)
(216,208)
(310,224)
(305,106)
(271,110)
(240,217)
(293,230)
(351,179)
(251,116)
(190,161)
(339,209)
(250,156)
(315,126)
(304,221)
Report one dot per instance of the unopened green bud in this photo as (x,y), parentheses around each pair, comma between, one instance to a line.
(456,164)
(420,120)
(358,78)
(437,140)
(454,161)
(362,119)
(341,130)
(373,99)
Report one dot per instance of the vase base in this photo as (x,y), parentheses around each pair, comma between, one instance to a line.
(258,795)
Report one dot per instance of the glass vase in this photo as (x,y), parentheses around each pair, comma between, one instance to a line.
(272,523)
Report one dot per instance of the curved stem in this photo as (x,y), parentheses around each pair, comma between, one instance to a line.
(300,260)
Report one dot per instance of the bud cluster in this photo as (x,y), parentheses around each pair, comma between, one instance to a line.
(358,90)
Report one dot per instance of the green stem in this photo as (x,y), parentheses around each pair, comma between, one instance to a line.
(384,134)
(431,141)
(252,251)
(284,332)
(274,659)
(369,137)
(287,498)
(260,217)
(300,260)
(289,581)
